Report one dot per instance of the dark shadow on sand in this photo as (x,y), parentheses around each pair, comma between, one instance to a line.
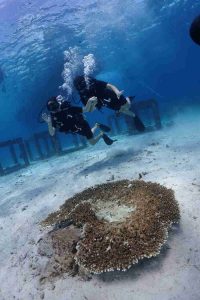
(13,203)
(115,158)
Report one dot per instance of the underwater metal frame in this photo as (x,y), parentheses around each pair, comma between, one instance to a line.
(46,146)
(11,145)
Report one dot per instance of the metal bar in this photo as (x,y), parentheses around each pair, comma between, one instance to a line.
(5,144)
(9,142)
(24,154)
(56,144)
(14,168)
(13,153)
(75,140)
(28,149)
(130,125)
(116,128)
(151,103)
(46,145)
(38,147)
(156,114)
(83,141)
(1,170)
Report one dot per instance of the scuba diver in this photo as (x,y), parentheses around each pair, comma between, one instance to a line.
(105,94)
(195,30)
(69,119)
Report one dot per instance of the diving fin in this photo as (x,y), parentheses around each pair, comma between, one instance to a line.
(103,127)
(138,124)
(108,140)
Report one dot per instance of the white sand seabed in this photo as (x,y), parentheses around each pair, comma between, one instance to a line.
(170,157)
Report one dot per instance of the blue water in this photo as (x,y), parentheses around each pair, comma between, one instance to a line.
(143,47)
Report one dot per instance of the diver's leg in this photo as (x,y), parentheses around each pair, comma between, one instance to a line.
(127,112)
(95,139)
(106,139)
(101,127)
(125,109)
(89,133)
(93,129)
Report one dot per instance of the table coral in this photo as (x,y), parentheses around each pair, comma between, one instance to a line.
(122,222)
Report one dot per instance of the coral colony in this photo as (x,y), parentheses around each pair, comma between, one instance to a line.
(110,227)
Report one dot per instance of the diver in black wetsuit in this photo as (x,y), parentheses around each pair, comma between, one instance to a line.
(195,30)
(69,119)
(105,94)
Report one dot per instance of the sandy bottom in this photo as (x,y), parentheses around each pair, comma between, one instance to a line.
(170,157)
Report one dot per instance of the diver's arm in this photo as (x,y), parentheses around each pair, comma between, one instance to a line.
(114,89)
(51,129)
(47,119)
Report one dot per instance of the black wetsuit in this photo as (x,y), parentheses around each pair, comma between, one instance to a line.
(69,119)
(98,88)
